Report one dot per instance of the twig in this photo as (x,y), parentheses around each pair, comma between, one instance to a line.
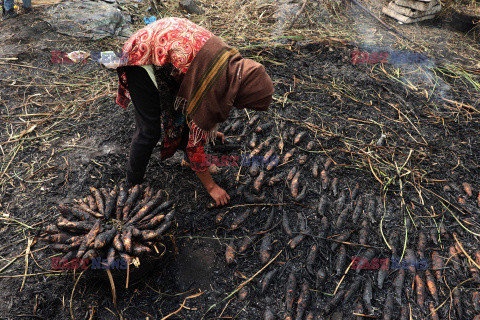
(297,15)
(7,245)
(374,174)
(450,295)
(258,204)
(27,252)
(128,275)
(46,70)
(183,304)
(224,308)
(8,264)
(20,223)
(381,227)
(338,241)
(73,291)
(243,283)
(33,274)
(112,286)
(258,272)
(341,280)
(461,224)
(464,252)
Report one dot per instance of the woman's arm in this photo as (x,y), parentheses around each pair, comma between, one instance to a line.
(197,158)
(220,196)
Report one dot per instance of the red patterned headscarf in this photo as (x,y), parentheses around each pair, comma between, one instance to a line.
(169,40)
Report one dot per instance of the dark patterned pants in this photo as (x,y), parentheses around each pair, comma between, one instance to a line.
(150,104)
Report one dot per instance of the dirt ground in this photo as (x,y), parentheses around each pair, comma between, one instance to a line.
(61,133)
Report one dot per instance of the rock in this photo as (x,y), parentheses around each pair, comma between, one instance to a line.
(405,19)
(11,50)
(417,5)
(191,6)
(409,11)
(88,19)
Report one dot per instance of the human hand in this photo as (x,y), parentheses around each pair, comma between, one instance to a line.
(220,196)
(221,136)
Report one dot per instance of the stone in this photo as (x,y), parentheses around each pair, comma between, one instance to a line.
(416,5)
(11,50)
(414,13)
(389,12)
(88,19)
(191,7)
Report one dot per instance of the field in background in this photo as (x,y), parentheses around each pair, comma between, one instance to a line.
(61,133)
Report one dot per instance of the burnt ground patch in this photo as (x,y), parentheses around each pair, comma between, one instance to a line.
(409,184)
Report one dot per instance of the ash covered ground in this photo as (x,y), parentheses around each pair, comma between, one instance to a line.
(404,195)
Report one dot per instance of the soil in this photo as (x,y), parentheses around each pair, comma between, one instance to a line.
(414,181)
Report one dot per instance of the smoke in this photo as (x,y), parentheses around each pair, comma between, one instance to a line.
(285,11)
(415,68)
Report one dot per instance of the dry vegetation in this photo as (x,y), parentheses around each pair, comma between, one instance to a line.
(48,110)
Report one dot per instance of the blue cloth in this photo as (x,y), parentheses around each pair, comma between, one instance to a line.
(149,20)
(9,4)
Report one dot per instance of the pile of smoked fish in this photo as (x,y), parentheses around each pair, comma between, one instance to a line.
(323,224)
(118,224)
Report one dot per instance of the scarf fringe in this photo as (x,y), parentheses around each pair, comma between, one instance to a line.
(197,133)
(180,103)
(212,135)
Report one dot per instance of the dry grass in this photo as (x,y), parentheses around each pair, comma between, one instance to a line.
(37,120)
(62,98)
